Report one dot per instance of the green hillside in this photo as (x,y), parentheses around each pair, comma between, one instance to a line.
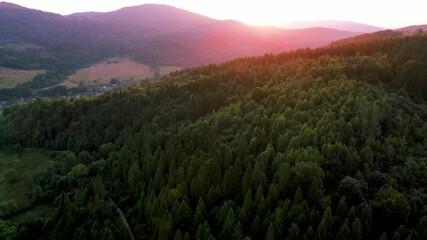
(22,200)
(311,144)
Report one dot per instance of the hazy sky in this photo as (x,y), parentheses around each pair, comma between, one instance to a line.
(384,13)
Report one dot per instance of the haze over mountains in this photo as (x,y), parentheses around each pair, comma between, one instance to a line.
(159,35)
(154,34)
(334,24)
(397,33)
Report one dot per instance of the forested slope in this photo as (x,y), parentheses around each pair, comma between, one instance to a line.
(312,144)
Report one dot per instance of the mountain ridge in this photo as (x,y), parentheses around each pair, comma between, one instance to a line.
(396,33)
(334,24)
(157,34)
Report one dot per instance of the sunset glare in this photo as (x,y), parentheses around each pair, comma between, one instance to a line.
(388,14)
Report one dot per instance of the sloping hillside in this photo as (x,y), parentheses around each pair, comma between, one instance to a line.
(157,34)
(397,33)
(154,35)
(311,144)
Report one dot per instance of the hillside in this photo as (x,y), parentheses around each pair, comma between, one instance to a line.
(410,30)
(397,33)
(154,35)
(311,144)
(162,29)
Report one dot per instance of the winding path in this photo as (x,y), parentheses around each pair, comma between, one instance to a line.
(122,217)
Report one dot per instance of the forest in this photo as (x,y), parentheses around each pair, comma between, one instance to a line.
(326,143)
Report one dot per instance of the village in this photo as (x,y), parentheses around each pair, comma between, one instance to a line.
(89,93)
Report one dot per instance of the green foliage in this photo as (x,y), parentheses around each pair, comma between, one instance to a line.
(7,230)
(37,193)
(12,176)
(77,173)
(391,208)
(312,144)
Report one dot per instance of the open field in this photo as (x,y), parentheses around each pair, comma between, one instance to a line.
(9,78)
(168,69)
(25,166)
(122,69)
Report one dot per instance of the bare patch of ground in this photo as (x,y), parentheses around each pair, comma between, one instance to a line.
(10,78)
(121,69)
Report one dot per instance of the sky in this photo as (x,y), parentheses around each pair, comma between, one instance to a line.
(382,13)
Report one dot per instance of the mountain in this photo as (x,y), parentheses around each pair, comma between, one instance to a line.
(339,25)
(168,35)
(154,34)
(157,17)
(326,143)
(413,29)
(10,6)
(369,37)
(397,33)
(85,14)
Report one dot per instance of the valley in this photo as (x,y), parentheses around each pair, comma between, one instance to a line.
(154,122)
(158,36)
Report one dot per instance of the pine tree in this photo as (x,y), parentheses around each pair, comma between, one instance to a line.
(344,231)
(204,231)
(178,235)
(383,236)
(356,229)
(309,234)
(270,233)
(293,232)
(134,177)
(238,231)
(37,193)
(200,213)
(298,196)
(314,193)
(256,228)
(229,224)
(396,235)
(187,236)
(324,230)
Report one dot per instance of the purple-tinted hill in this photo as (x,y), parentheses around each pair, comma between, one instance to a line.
(339,25)
(155,34)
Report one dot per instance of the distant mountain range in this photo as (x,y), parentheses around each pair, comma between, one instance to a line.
(339,25)
(156,35)
(413,29)
(397,33)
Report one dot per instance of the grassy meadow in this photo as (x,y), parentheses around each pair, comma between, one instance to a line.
(10,78)
(16,173)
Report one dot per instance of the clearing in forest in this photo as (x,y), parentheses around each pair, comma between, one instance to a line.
(122,69)
(10,78)
(16,175)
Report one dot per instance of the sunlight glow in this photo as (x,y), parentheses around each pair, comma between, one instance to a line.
(383,13)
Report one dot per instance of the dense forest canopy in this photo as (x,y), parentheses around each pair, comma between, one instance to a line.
(311,144)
